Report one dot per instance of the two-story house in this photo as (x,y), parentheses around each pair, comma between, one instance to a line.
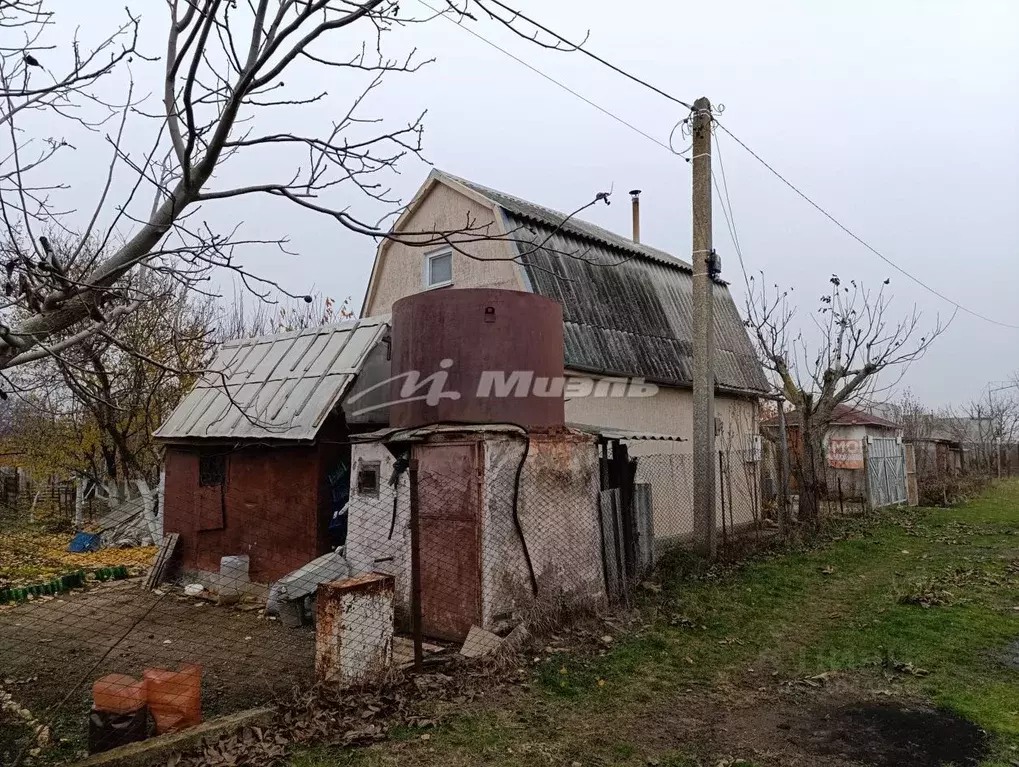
(627,312)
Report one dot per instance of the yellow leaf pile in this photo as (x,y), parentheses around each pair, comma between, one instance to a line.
(32,557)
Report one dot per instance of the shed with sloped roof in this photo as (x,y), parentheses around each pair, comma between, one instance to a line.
(257,458)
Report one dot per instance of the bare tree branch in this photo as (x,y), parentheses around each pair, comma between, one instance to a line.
(856,341)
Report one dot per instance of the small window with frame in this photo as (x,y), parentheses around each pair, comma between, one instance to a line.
(439,269)
(368,478)
(211,470)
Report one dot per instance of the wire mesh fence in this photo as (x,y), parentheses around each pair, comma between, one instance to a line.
(745,498)
(270,569)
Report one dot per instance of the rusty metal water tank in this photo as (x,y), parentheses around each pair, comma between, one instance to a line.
(500,351)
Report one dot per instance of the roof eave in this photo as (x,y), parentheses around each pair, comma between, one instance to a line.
(674,384)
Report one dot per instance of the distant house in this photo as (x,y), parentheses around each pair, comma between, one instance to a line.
(627,312)
(938,451)
(957,444)
(845,439)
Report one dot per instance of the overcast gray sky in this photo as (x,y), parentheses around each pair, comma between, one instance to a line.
(901,118)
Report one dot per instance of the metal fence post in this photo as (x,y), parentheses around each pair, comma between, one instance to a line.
(415,567)
(866,477)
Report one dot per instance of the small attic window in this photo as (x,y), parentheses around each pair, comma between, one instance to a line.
(439,269)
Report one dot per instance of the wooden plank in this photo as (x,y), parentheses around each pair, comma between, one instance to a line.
(912,491)
(607,500)
(621,538)
(163,557)
(643,516)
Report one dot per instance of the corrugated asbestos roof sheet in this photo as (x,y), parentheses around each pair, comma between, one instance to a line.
(627,308)
(574,226)
(609,432)
(278,387)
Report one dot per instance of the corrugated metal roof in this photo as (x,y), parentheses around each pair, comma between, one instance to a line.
(627,308)
(420,433)
(278,387)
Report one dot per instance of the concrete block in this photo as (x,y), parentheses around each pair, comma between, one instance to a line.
(479,642)
(515,640)
(354,629)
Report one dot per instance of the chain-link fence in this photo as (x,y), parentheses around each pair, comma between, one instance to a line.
(263,570)
(745,498)
(272,570)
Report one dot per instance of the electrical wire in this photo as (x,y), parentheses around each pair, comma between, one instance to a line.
(594,56)
(730,217)
(551,79)
(670,97)
(863,242)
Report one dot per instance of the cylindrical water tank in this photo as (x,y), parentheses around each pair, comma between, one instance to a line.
(477,355)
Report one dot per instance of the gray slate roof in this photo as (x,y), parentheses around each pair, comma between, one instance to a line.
(627,307)
(275,387)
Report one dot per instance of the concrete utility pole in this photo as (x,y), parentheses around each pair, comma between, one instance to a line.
(703,331)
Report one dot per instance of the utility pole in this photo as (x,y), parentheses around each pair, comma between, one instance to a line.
(703,330)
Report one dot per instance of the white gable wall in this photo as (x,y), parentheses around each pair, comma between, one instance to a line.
(399,269)
(399,272)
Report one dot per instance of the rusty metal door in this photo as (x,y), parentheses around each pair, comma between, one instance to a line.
(449,508)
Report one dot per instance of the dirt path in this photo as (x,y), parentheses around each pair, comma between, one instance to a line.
(47,650)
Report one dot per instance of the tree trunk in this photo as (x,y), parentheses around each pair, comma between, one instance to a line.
(811,476)
(149,511)
(79,503)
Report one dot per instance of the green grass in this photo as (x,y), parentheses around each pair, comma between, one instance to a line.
(852,606)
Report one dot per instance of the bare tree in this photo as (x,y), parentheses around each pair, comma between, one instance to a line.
(986,425)
(855,341)
(241,319)
(225,66)
(90,412)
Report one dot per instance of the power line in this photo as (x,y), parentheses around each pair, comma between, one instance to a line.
(581,49)
(551,79)
(670,97)
(863,242)
(730,217)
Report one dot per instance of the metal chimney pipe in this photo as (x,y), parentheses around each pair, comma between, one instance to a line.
(635,198)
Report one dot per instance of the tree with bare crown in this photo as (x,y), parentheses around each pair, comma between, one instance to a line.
(179,145)
(851,340)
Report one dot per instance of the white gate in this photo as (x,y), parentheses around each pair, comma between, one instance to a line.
(886,472)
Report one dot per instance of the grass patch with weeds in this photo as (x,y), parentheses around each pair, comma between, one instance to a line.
(914,603)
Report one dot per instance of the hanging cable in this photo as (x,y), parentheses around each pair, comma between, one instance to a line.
(580,49)
(783,179)
(730,217)
(551,79)
(863,242)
